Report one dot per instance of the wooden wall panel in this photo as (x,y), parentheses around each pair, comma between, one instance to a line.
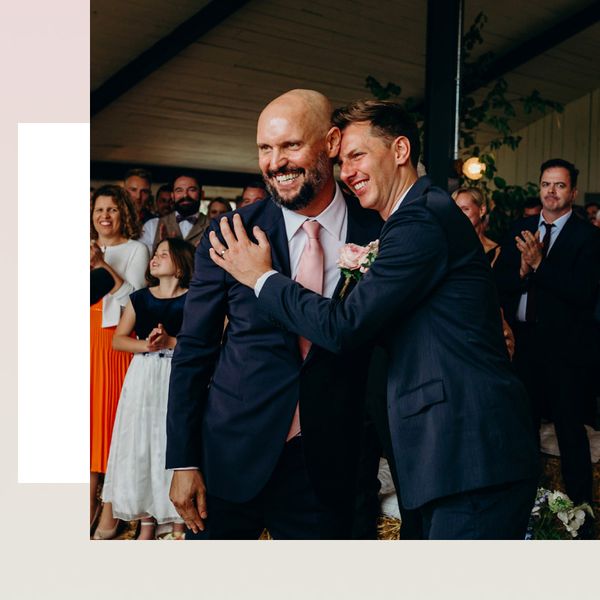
(594,156)
(573,135)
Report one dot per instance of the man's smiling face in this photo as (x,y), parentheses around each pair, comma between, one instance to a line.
(292,156)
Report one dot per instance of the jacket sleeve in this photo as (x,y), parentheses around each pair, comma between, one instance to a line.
(194,359)
(412,260)
(133,279)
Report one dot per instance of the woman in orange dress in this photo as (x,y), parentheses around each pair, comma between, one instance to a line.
(113,225)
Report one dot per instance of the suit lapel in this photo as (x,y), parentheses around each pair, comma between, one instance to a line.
(566,238)
(274,226)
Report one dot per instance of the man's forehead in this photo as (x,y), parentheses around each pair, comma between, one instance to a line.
(186,182)
(356,135)
(137,181)
(253,190)
(556,174)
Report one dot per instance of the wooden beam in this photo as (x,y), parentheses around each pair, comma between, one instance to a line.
(533,47)
(544,41)
(164,50)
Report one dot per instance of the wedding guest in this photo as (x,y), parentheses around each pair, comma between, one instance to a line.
(113,225)
(532,207)
(253,192)
(138,185)
(591,209)
(459,427)
(137,484)
(472,203)
(164,200)
(548,274)
(186,221)
(217,207)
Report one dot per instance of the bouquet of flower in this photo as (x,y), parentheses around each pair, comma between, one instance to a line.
(355,261)
(555,517)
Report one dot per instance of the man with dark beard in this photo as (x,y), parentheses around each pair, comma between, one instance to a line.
(186,221)
(262,430)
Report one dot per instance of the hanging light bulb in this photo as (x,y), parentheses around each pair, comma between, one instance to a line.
(473,169)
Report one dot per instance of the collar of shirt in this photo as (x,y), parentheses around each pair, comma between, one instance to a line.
(397,205)
(554,231)
(558,224)
(332,218)
(185,226)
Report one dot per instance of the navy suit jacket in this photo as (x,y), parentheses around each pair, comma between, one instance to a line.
(566,290)
(232,394)
(458,416)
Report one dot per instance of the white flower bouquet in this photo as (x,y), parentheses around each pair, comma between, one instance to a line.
(555,517)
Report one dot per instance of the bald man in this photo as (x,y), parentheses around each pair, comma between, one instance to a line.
(263,431)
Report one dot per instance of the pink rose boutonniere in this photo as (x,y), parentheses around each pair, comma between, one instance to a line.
(355,261)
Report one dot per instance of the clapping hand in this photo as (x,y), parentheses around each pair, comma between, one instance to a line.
(530,247)
(96,255)
(158,339)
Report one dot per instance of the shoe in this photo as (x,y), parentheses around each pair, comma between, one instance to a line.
(147,524)
(106,534)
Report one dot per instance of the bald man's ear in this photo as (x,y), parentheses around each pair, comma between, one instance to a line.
(401,150)
(334,137)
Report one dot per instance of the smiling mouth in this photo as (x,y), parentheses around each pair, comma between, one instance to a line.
(106,223)
(285,177)
(360,185)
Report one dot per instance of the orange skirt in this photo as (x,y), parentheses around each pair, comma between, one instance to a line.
(107,372)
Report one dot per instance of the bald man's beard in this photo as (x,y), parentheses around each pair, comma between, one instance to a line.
(314,182)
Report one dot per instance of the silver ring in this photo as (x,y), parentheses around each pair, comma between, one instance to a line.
(222,253)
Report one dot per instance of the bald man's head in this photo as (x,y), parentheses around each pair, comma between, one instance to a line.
(296,148)
(313,108)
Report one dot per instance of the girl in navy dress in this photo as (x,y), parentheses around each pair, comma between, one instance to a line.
(137,483)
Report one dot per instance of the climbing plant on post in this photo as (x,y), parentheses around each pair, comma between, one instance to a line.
(493,111)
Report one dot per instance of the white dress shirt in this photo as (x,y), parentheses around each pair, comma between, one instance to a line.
(332,235)
(554,232)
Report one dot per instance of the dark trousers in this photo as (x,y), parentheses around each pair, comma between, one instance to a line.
(494,513)
(376,406)
(561,393)
(287,506)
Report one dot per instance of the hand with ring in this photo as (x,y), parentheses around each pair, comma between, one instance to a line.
(240,257)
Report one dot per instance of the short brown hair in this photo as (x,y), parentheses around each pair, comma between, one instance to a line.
(388,120)
(130,226)
(182,255)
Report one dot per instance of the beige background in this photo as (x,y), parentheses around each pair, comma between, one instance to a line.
(45,548)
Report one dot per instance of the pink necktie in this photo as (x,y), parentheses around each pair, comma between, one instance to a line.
(310,275)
